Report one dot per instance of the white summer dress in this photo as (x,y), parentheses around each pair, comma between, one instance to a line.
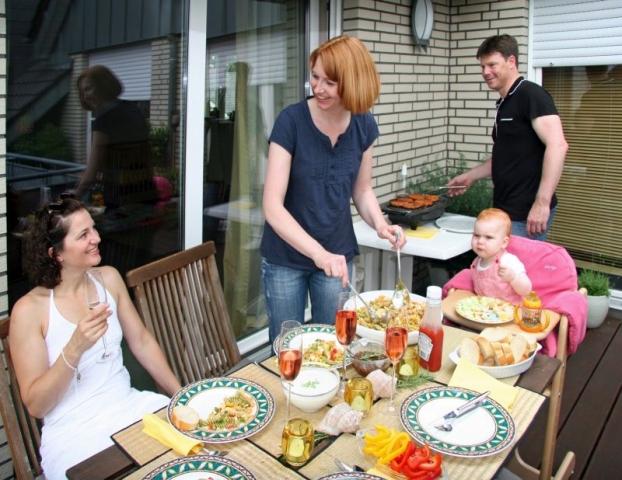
(98,405)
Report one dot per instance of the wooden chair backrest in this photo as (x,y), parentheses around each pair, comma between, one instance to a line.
(182,303)
(22,430)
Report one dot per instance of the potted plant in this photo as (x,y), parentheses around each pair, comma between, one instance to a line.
(596,285)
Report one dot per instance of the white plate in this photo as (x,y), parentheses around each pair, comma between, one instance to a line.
(312,332)
(504,371)
(485,431)
(486,310)
(456,224)
(205,395)
(378,335)
(201,467)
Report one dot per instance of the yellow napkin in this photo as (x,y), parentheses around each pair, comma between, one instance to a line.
(166,434)
(469,376)
(422,232)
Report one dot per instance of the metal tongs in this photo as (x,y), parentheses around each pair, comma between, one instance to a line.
(450,417)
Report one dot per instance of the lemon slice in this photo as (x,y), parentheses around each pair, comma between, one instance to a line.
(296,447)
(406,370)
(358,404)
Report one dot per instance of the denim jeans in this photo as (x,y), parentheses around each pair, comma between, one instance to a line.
(286,289)
(520,228)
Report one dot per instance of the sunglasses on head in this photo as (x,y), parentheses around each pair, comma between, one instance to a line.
(58,206)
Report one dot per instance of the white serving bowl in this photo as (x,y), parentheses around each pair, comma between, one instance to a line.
(378,335)
(313,388)
(502,371)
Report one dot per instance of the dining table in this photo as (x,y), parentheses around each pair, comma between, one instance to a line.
(135,454)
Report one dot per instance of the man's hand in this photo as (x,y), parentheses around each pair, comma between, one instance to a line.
(537,219)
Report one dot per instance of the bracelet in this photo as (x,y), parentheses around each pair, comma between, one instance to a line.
(69,365)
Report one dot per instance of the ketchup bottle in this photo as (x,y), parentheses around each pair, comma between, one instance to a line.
(431,332)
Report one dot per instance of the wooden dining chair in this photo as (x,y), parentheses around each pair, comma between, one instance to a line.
(182,303)
(21,429)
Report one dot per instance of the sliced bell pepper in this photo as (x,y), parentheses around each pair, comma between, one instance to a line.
(432,463)
(398,463)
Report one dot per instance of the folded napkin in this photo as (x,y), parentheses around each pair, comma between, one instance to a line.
(469,376)
(422,232)
(166,434)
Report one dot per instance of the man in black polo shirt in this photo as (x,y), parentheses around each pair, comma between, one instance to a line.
(529,145)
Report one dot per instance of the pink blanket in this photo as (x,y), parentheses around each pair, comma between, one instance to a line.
(554,277)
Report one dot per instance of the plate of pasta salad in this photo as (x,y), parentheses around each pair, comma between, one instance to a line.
(319,346)
(229,408)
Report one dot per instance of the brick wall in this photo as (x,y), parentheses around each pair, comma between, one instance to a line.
(434,104)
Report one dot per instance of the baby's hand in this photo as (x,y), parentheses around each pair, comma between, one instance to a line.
(506,274)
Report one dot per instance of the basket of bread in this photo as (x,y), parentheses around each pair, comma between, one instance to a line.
(498,352)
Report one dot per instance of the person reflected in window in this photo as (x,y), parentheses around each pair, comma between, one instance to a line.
(116,123)
(319,159)
(529,146)
(57,343)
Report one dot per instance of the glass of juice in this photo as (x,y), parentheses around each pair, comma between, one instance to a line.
(345,326)
(359,394)
(395,340)
(297,441)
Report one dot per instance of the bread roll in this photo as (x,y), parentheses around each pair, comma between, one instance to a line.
(185,418)
(496,334)
(488,354)
(520,348)
(469,350)
(509,355)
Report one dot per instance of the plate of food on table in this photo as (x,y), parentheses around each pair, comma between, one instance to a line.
(319,346)
(221,410)
(201,467)
(488,310)
(483,431)
(381,301)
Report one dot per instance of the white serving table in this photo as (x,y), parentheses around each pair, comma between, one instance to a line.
(378,256)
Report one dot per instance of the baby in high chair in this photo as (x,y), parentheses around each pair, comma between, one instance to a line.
(495,272)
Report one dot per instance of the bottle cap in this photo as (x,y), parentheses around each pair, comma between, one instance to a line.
(434,293)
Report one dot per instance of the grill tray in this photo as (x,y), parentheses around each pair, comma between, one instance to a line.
(413,218)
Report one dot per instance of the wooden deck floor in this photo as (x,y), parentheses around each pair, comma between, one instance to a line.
(591,413)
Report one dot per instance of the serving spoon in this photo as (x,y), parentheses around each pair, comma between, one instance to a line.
(401,295)
(372,312)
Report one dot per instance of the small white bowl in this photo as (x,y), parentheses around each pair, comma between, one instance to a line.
(313,388)
(504,371)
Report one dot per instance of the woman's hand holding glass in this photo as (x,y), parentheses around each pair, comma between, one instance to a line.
(95,290)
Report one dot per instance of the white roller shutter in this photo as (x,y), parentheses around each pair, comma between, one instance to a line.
(132,65)
(577,32)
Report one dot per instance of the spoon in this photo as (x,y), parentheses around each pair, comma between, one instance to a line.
(216,453)
(374,314)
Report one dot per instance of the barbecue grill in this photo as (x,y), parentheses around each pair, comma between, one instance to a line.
(414,217)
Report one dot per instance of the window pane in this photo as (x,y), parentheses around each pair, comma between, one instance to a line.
(590,211)
(255,67)
(114,138)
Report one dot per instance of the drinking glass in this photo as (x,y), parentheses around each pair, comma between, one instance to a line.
(345,327)
(94,296)
(290,354)
(395,340)
(297,441)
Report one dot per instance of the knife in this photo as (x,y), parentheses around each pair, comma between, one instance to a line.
(462,409)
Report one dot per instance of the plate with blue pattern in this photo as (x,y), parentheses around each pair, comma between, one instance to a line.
(200,467)
(205,395)
(319,346)
(485,431)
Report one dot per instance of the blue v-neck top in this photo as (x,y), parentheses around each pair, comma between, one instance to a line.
(320,186)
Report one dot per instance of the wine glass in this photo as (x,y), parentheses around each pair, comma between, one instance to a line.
(345,327)
(395,341)
(96,294)
(290,354)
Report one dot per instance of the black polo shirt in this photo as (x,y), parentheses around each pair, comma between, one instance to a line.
(518,153)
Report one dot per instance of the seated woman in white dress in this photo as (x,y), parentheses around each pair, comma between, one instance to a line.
(57,343)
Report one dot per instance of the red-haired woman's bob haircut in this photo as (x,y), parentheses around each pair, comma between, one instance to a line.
(348,62)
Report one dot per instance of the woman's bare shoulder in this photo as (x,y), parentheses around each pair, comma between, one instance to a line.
(32,307)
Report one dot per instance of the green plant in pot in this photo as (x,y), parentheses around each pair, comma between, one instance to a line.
(596,285)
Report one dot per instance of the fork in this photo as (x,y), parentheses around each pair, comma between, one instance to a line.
(216,453)
(401,295)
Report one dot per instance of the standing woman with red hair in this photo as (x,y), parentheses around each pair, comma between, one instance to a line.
(319,160)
